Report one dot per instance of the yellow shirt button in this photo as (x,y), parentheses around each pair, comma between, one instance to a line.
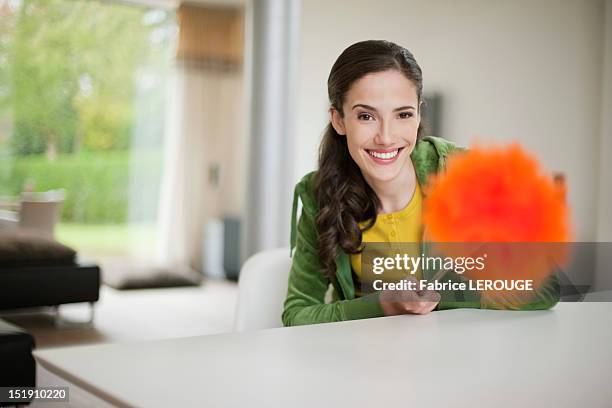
(392,233)
(390,216)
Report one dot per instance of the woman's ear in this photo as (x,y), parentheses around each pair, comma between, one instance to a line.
(337,121)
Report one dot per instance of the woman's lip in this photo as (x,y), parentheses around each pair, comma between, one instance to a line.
(378,160)
(384,150)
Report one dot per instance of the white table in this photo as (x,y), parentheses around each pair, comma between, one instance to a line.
(458,358)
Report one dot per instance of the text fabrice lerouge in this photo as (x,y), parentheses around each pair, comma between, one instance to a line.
(460,265)
(477,284)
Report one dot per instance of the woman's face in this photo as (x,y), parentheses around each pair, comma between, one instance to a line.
(381,119)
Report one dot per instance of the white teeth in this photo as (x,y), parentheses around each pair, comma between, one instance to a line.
(385,156)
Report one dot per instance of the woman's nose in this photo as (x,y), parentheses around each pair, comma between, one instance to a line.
(384,135)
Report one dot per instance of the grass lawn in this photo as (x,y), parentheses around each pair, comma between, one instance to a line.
(107,239)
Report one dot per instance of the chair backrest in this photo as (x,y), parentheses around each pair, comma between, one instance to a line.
(40,211)
(262,288)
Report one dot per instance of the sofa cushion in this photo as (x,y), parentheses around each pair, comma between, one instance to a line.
(25,248)
(143,274)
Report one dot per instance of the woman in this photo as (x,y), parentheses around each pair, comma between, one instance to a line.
(373,162)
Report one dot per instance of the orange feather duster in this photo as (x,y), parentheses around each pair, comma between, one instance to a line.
(489,196)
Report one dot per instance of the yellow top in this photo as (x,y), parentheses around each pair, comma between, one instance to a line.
(398,227)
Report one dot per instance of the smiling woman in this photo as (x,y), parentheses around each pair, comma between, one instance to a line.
(366,188)
(373,161)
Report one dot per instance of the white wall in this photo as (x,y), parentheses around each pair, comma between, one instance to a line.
(605,162)
(603,275)
(523,70)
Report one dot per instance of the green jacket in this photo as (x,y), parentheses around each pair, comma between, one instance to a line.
(305,302)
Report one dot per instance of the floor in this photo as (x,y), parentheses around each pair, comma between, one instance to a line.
(133,315)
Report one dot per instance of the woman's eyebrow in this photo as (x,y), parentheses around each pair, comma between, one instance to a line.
(401,108)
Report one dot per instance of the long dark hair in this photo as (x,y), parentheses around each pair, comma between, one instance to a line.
(344,197)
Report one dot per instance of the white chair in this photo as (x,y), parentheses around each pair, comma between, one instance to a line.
(262,288)
(41,211)
(37,211)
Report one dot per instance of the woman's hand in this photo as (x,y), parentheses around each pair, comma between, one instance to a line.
(396,302)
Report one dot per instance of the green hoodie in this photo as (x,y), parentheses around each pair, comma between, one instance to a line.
(305,302)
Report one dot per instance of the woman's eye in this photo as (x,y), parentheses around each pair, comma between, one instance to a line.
(365,116)
(405,115)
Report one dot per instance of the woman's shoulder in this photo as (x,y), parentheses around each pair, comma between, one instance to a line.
(434,147)
(429,156)
(305,190)
(308,179)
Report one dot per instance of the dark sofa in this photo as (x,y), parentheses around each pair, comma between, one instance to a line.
(36,272)
(18,366)
(33,286)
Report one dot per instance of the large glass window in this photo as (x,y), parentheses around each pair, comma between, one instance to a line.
(82,108)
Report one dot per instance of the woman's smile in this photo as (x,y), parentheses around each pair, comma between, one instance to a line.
(384,156)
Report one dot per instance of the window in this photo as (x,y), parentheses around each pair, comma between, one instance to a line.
(82,108)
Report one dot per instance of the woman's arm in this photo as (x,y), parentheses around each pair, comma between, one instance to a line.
(305,302)
(545,297)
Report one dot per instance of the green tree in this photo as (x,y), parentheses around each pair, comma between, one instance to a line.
(71,74)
